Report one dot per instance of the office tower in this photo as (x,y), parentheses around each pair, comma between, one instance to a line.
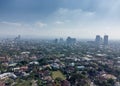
(105,39)
(98,39)
(61,40)
(56,41)
(19,37)
(70,40)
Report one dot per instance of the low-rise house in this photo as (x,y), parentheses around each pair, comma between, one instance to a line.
(2,83)
(80,67)
(7,75)
(12,65)
(4,59)
(108,76)
(24,68)
(55,66)
(34,63)
(65,83)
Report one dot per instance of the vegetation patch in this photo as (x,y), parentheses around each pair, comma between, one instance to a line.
(58,74)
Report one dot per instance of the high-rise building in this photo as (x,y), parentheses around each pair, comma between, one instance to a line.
(70,40)
(98,39)
(61,40)
(18,38)
(105,39)
(56,40)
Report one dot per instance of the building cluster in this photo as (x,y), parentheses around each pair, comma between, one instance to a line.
(99,40)
(68,41)
(46,63)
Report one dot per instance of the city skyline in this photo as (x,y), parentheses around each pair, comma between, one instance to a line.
(60,18)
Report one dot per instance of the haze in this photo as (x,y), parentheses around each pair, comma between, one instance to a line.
(60,18)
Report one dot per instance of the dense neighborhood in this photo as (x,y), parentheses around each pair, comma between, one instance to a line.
(59,63)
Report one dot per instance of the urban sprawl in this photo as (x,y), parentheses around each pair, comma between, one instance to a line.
(59,62)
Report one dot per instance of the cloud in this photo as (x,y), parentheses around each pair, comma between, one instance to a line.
(40,24)
(69,17)
(11,23)
(73,14)
(59,22)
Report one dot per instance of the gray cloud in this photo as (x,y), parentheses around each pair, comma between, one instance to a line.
(78,18)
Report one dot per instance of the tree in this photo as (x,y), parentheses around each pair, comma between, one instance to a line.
(79,80)
(39,82)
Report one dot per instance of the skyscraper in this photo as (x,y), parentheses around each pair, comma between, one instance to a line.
(61,40)
(97,39)
(56,40)
(70,40)
(105,39)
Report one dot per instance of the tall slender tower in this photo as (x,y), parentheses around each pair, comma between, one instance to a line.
(98,39)
(105,39)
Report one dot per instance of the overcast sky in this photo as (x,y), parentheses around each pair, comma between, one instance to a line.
(60,18)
